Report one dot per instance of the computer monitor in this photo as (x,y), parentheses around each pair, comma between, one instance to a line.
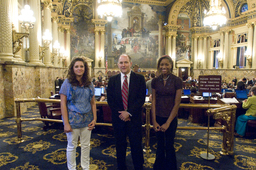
(186,92)
(226,90)
(146,92)
(207,94)
(97,91)
(241,94)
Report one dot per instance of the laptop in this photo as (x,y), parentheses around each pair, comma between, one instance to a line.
(97,92)
(241,94)
(186,92)
(206,94)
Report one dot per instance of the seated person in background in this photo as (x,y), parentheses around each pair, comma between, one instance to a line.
(250,114)
(241,84)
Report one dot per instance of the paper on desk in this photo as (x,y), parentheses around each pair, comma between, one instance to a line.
(184,97)
(229,100)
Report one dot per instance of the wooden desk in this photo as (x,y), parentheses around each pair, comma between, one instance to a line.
(198,115)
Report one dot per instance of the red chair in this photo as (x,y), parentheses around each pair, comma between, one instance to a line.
(48,112)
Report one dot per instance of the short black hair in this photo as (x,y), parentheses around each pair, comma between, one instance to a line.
(153,75)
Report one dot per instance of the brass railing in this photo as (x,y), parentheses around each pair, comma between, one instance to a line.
(227,113)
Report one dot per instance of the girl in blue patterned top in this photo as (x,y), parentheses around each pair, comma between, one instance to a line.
(78,110)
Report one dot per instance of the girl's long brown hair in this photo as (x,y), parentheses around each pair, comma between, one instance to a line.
(86,80)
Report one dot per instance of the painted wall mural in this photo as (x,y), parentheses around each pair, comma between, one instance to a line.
(82,32)
(136,34)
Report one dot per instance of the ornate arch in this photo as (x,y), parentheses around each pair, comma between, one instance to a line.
(174,12)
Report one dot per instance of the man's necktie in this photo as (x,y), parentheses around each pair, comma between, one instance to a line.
(125,93)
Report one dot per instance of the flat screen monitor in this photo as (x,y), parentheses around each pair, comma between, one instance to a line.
(206,94)
(186,92)
(97,91)
(241,94)
(146,91)
(226,90)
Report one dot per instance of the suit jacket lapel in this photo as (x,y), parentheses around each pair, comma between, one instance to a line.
(119,90)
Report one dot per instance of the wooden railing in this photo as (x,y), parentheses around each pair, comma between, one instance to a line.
(227,113)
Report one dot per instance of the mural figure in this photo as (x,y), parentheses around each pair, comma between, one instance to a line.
(136,34)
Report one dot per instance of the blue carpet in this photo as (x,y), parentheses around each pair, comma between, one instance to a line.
(46,150)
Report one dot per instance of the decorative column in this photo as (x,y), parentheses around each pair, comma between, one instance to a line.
(226,50)
(166,43)
(254,48)
(99,45)
(221,47)
(205,49)
(34,35)
(62,45)
(210,60)
(160,37)
(192,49)
(102,49)
(200,53)
(55,38)
(68,59)
(169,45)
(174,51)
(230,58)
(5,31)
(195,52)
(47,25)
(249,46)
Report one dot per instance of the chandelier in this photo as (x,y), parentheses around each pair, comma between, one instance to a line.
(109,8)
(27,19)
(216,15)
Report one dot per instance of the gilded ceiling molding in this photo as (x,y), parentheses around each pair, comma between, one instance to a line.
(99,24)
(230,7)
(57,7)
(150,2)
(174,12)
(251,4)
(198,31)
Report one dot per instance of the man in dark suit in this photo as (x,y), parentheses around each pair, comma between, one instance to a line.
(127,122)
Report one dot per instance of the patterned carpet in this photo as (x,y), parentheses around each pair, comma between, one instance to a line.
(46,150)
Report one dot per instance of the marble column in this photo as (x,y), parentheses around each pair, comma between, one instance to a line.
(230,58)
(47,26)
(169,45)
(221,46)
(174,51)
(205,49)
(68,59)
(226,51)
(192,49)
(195,53)
(254,48)
(35,34)
(210,60)
(62,45)
(5,32)
(55,38)
(96,49)
(200,53)
(249,46)
(102,48)
(166,44)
